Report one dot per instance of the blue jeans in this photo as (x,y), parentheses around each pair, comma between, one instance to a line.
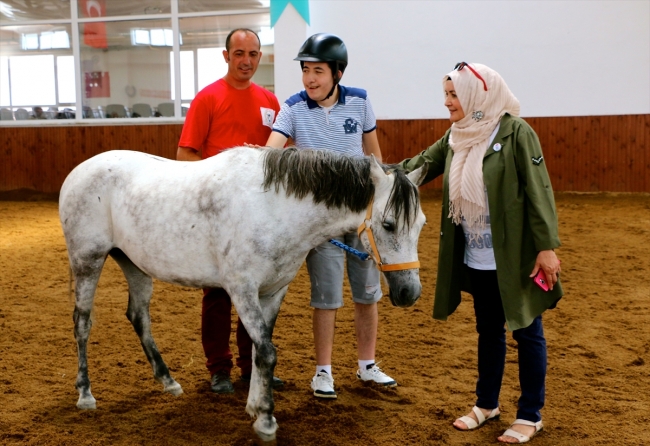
(490,325)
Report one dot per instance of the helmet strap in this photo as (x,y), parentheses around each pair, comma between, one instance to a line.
(329,95)
(336,78)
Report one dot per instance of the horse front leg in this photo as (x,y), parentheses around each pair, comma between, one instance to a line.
(270,308)
(258,316)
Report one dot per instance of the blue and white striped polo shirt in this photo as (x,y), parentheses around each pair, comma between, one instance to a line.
(340,129)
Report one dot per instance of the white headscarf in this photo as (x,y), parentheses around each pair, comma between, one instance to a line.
(470,137)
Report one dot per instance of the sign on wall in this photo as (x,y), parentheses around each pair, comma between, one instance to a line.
(97,84)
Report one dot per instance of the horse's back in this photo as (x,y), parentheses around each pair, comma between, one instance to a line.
(143,175)
(88,190)
(157,209)
(106,169)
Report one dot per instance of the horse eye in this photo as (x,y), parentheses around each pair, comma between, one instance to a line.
(390,227)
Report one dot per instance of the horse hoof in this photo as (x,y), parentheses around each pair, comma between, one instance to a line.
(265,434)
(263,439)
(257,441)
(86,403)
(175,389)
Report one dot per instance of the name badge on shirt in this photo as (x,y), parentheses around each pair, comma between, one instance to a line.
(268,116)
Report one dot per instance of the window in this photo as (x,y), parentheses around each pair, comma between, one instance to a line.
(123,64)
(32,80)
(207,38)
(5,90)
(46,40)
(126,65)
(155,37)
(29,80)
(187,76)
(211,66)
(29,41)
(66,79)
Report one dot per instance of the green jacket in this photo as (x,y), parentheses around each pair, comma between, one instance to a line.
(523,221)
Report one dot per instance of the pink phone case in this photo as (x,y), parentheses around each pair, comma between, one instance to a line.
(540,280)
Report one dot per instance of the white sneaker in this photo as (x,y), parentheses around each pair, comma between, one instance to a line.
(323,385)
(374,374)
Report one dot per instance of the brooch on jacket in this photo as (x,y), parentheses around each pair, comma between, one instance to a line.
(537,161)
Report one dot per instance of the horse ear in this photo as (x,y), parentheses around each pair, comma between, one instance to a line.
(376,171)
(418,175)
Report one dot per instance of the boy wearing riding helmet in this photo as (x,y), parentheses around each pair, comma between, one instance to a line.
(329,116)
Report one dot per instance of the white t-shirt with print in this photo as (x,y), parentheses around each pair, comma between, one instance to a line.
(479,253)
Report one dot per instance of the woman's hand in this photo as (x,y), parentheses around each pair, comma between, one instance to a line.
(550,264)
(255,146)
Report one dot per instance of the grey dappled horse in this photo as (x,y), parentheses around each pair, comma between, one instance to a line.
(243,221)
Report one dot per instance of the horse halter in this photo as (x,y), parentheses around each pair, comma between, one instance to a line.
(367,227)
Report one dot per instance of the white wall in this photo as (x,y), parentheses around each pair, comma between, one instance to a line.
(290,32)
(560,58)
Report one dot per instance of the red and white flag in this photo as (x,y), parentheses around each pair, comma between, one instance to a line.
(95,32)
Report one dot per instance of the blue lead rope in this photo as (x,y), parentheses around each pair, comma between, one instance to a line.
(361,255)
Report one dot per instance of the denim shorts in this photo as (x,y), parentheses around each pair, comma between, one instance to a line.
(325,265)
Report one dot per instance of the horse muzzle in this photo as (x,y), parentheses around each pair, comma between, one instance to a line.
(404,287)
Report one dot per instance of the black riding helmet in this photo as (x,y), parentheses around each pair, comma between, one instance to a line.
(323,47)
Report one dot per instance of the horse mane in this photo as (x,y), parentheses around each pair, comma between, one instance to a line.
(335,180)
(404,198)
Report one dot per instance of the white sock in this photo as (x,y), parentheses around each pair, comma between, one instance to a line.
(324,368)
(364,363)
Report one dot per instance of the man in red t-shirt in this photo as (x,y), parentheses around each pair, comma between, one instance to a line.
(228,113)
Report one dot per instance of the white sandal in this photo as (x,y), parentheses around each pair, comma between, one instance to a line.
(471,422)
(519,436)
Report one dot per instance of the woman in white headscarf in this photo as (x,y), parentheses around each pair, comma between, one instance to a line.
(498,231)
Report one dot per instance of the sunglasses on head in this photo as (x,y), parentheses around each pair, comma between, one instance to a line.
(460,65)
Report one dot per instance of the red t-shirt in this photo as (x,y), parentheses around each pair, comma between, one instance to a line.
(221,117)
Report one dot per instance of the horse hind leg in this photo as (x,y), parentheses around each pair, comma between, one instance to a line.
(140,290)
(86,274)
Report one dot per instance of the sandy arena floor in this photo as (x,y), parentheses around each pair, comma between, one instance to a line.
(598,387)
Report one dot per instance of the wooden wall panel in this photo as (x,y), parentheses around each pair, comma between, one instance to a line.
(39,158)
(401,139)
(585,154)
